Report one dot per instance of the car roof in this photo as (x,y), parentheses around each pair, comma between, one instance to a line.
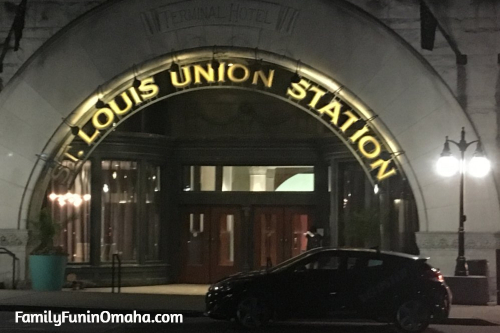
(371,251)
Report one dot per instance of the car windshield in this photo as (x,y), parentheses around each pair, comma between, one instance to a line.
(290,262)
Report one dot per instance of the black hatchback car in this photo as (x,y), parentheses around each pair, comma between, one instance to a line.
(329,283)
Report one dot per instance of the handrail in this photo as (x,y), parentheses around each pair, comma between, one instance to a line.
(498,275)
(4,250)
(116,256)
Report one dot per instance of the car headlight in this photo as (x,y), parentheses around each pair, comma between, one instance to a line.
(223,286)
(228,286)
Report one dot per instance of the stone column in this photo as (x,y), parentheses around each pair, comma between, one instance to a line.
(258,181)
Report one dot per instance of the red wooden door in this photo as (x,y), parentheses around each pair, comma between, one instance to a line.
(225,232)
(297,221)
(268,236)
(195,245)
(211,243)
(279,233)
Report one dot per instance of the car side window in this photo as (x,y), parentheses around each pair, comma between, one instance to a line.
(375,263)
(356,263)
(327,261)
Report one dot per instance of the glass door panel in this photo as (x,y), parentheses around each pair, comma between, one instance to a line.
(268,238)
(300,223)
(280,233)
(225,242)
(195,245)
(195,242)
(211,243)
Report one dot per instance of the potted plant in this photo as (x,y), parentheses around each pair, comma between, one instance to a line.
(47,262)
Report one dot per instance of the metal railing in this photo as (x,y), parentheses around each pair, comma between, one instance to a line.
(116,258)
(4,250)
(498,275)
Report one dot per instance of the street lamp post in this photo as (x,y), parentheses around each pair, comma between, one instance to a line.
(447,166)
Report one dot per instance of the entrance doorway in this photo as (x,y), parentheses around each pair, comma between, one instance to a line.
(279,233)
(212,239)
(211,243)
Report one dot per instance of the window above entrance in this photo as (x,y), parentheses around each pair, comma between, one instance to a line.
(249,178)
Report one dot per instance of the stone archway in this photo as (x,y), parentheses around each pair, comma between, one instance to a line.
(237,68)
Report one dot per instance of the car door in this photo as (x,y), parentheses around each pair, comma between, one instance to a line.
(362,275)
(306,288)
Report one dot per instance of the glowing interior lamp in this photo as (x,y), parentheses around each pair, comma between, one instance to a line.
(447,165)
(479,165)
(376,189)
(77,202)
(53,196)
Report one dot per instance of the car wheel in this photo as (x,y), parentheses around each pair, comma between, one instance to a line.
(413,316)
(252,312)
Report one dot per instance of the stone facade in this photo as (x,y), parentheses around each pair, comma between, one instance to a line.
(43,20)
(474,27)
(442,248)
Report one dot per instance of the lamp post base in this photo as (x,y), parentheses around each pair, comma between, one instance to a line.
(461,268)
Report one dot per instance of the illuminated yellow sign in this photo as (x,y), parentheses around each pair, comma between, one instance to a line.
(342,118)
(367,144)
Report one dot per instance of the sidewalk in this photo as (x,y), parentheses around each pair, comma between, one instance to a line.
(472,313)
(16,300)
(189,305)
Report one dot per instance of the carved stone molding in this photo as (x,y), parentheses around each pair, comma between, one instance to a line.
(13,237)
(449,240)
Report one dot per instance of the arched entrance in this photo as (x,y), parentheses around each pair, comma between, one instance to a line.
(409,98)
(222,205)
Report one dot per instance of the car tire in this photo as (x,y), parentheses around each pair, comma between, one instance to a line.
(252,312)
(412,316)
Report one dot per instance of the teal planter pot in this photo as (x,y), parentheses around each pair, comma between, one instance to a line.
(47,272)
